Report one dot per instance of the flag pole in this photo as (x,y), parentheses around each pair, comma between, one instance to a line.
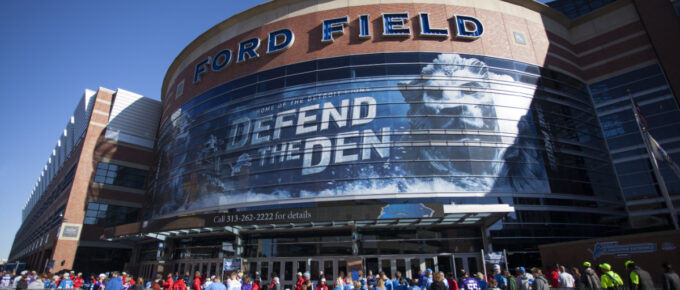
(505,256)
(483,265)
(664,155)
(655,164)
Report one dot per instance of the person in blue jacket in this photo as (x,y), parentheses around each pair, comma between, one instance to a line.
(339,284)
(370,280)
(427,280)
(66,283)
(481,280)
(388,282)
(364,286)
(49,284)
(399,282)
(115,283)
(413,285)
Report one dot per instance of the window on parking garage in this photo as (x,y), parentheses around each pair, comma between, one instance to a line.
(102,214)
(119,175)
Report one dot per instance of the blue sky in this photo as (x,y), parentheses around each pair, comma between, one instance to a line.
(51,51)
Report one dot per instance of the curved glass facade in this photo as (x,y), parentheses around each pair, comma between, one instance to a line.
(407,127)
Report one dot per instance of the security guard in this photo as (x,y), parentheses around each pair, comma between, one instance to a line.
(637,278)
(609,279)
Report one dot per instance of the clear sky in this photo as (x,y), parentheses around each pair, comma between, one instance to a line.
(51,51)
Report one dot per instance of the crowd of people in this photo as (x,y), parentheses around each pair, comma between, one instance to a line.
(586,278)
(69,280)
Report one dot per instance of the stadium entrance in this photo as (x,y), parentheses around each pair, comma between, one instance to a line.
(333,267)
(409,245)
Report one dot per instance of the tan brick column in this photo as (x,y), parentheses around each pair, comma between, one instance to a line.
(65,249)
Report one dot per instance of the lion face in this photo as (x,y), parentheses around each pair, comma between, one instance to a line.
(453,94)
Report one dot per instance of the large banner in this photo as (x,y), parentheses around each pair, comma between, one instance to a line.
(452,129)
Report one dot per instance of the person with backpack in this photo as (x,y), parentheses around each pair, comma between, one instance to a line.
(524,279)
(590,279)
(638,279)
(609,279)
(540,282)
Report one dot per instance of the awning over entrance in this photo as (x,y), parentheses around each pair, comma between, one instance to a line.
(483,215)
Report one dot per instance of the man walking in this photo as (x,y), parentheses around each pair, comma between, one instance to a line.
(638,279)
(540,282)
(670,280)
(589,277)
(609,279)
(502,281)
(216,284)
(566,280)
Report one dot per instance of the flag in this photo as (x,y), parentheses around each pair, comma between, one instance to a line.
(639,116)
(661,154)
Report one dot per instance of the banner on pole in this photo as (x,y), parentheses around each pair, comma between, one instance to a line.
(231,264)
(494,257)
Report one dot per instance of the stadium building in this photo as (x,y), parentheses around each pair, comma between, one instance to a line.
(404,135)
(94,179)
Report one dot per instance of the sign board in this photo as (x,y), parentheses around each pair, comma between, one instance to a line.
(348,211)
(70,231)
(231,265)
(614,248)
(494,257)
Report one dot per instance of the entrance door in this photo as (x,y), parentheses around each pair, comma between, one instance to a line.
(287,268)
(471,263)
(410,266)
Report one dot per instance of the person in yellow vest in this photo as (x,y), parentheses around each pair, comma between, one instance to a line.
(609,279)
(638,279)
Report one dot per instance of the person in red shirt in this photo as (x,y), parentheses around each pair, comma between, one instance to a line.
(554,277)
(273,283)
(453,284)
(197,281)
(78,281)
(179,285)
(322,285)
(169,283)
(156,284)
(300,280)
